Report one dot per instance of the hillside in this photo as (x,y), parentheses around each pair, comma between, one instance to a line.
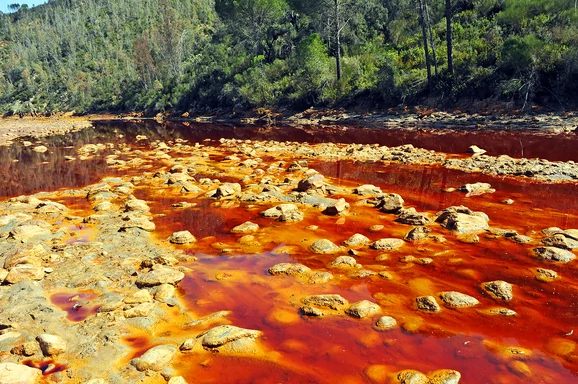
(156,55)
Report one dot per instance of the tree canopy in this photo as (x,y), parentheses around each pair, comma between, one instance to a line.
(156,55)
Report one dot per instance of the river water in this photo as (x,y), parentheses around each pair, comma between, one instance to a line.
(341,349)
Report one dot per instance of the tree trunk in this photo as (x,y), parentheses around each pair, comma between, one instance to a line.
(432,43)
(425,45)
(449,38)
(337,41)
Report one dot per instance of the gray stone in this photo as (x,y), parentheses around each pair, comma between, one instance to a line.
(418,233)
(225,334)
(411,217)
(554,254)
(23,272)
(545,275)
(385,322)
(182,237)
(560,240)
(476,150)
(362,309)
(158,276)
(324,246)
(11,373)
(332,301)
(155,359)
(390,203)
(291,269)
(228,190)
(357,241)
(284,212)
(427,304)
(339,207)
(51,345)
(476,189)
(458,300)
(367,189)
(343,262)
(387,244)
(246,227)
(313,182)
(499,290)
(463,220)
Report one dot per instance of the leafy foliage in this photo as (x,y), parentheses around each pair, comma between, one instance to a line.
(155,55)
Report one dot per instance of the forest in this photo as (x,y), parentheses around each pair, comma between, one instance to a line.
(206,55)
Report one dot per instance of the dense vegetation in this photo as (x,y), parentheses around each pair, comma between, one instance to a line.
(119,55)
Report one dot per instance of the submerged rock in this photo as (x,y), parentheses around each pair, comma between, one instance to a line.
(319,305)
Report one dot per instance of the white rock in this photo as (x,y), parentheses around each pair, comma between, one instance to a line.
(11,373)
(51,345)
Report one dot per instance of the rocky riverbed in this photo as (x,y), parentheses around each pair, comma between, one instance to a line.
(229,260)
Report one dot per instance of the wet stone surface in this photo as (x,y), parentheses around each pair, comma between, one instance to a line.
(239,260)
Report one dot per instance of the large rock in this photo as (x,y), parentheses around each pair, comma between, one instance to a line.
(427,304)
(284,212)
(136,205)
(51,345)
(182,237)
(224,334)
(29,256)
(476,189)
(313,182)
(412,217)
(409,376)
(499,290)
(324,247)
(28,233)
(291,269)
(158,276)
(138,222)
(554,254)
(357,241)
(23,272)
(418,233)
(155,359)
(228,190)
(463,220)
(246,227)
(560,240)
(362,309)
(316,305)
(385,322)
(387,244)
(11,373)
(339,207)
(367,189)
(390,203)
(458,300)
(343,262)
